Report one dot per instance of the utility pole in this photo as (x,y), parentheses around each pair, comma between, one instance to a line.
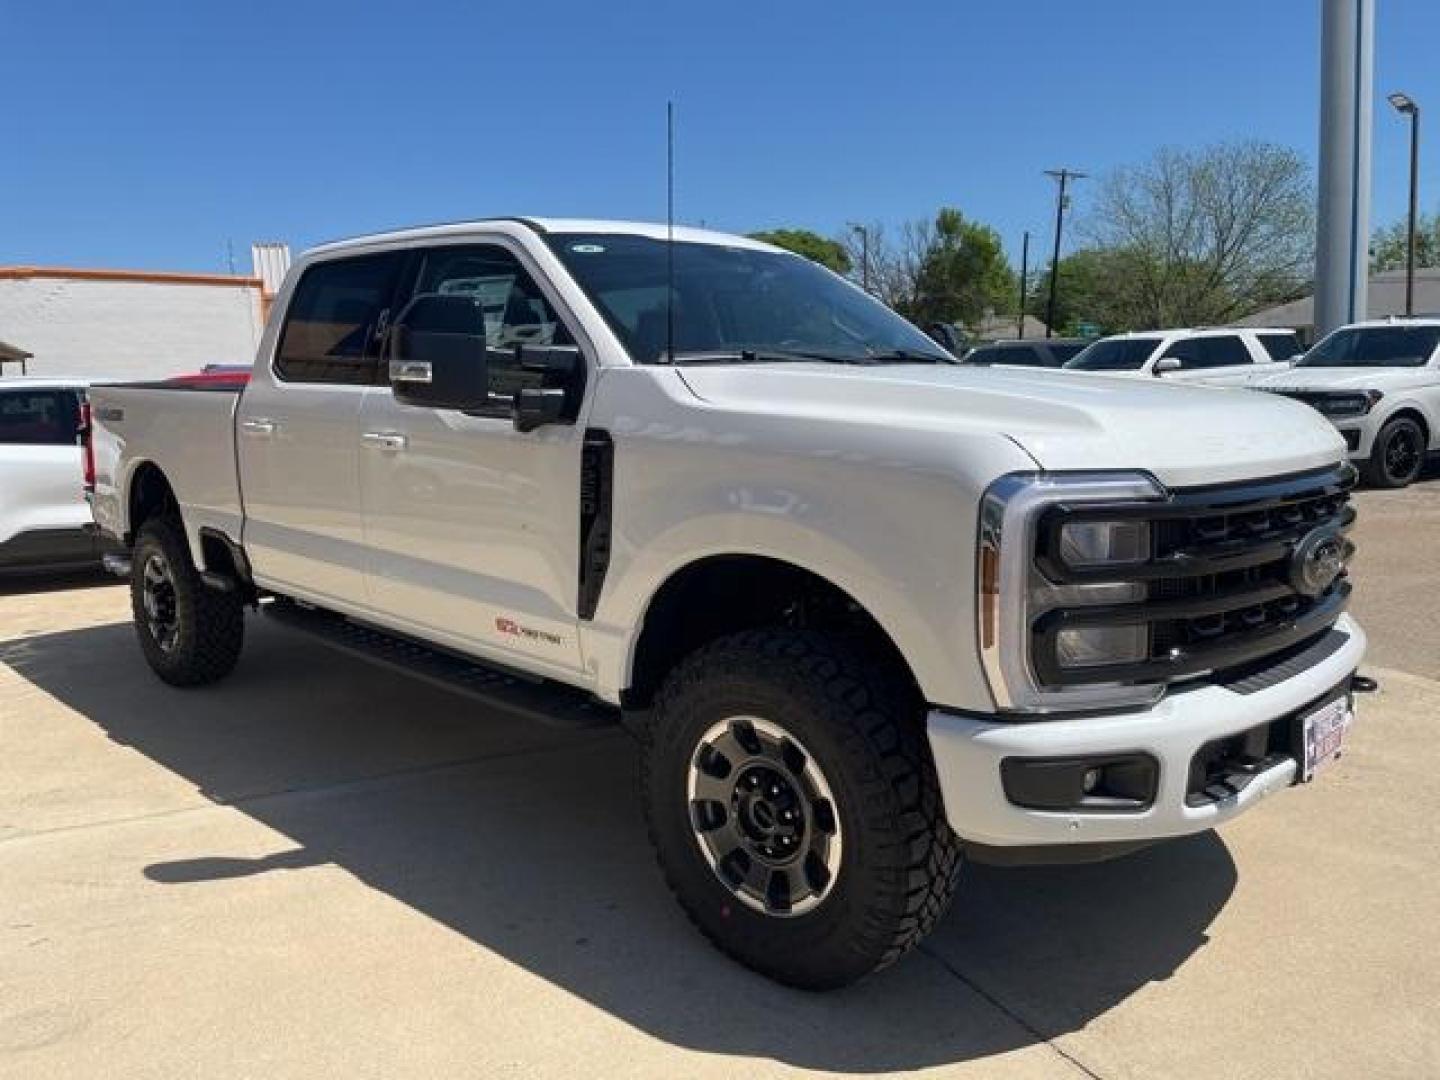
(1024,284)
(1406,106)
(864,234)
(1064,176)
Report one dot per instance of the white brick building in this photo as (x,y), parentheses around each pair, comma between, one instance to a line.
(131,324)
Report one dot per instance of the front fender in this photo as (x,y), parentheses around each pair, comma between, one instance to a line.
(901,543)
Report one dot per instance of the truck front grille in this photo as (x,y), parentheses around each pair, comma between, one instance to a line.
(1232,577)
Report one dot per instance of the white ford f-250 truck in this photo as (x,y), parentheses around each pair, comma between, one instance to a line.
(866,610)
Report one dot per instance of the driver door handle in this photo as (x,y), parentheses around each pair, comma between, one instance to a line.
(258,426)
(384,440)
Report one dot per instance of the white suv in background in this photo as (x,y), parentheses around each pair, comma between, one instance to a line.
(1231,357)
(45,522)
(1379,384)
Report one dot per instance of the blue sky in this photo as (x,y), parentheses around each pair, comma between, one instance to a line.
(149,134)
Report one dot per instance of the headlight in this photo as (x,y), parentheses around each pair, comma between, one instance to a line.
(1339,406)
(1100,646)
(1085,544)
(1014,592)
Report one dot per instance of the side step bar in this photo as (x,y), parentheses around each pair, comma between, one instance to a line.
(535,699)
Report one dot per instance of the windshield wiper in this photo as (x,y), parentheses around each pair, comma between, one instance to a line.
(907,356)
(761,356)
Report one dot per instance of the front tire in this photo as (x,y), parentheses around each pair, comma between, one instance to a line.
(794,807)
(190,633)
(1397,456)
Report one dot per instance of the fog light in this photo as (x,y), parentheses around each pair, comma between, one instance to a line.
(1100,646)
(1120,783)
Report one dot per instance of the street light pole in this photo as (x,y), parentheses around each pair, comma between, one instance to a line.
(1064,176)
(1406,106)
(1024,284)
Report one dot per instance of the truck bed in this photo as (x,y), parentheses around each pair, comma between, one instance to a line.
(187,429)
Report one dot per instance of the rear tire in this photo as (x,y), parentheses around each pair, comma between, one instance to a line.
(190,633)
(1397,456)
(848,861)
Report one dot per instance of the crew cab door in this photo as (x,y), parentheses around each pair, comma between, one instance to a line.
(297,431)
(472,526)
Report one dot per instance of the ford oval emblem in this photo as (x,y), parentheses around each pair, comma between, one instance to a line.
(1318,559)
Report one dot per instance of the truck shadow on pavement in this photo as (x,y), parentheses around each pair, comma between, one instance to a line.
(19,583)
(529,842)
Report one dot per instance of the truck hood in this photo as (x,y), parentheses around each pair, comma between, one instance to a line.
(1349,378)
(1184,435)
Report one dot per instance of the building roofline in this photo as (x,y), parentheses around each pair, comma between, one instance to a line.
(167,277)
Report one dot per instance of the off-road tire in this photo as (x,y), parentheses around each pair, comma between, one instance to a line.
(1380,470)
(865,727)
(209,623)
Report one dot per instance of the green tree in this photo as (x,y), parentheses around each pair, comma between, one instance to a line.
(961,273)
(1208,235)
(1093,288)
(1387,249)
(828,253)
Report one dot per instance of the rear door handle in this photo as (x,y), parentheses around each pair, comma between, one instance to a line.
(258,426)
(384,440)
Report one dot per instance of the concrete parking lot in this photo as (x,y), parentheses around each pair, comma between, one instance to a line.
(322,869)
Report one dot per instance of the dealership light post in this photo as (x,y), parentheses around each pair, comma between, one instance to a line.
(1407,107)
(1342,240)
(1064,176)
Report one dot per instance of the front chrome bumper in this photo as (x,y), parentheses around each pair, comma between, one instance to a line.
(968,751)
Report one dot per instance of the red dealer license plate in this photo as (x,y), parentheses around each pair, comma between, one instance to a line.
(1322,734)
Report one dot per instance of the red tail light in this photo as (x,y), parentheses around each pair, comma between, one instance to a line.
(88,446)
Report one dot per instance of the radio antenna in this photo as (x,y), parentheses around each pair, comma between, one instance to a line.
(669,232)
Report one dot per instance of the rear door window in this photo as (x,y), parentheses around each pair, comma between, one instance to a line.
(336,317)
(39,418)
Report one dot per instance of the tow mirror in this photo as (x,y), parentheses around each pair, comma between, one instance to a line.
(1167,363)
(438,356)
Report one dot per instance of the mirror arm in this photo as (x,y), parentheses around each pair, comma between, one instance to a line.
(535,407)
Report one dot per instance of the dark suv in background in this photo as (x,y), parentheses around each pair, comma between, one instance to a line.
(1039,352)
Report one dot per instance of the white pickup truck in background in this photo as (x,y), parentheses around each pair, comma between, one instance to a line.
(1216,356)
(866,610)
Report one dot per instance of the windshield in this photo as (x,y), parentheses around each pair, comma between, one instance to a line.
(1374,346)
(1115,354)
(730,301)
